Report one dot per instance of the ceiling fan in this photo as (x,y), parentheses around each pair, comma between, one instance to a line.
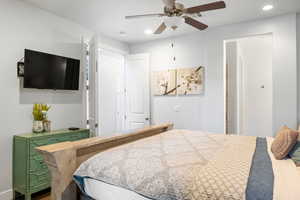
(174,10)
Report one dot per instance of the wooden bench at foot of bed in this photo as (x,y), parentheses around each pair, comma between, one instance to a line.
(64,158)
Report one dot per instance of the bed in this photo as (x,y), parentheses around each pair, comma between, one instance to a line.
(159,163)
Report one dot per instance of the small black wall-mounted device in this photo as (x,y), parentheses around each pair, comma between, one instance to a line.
(20,69)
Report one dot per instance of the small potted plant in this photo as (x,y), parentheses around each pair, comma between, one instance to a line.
(40,122)
(37,119)
(46,122)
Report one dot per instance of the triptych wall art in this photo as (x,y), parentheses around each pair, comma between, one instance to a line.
(184,81)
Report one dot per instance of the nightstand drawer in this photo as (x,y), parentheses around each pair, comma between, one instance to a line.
(39,179)
(42,142)
(36,163)
(53,140)
(79,136)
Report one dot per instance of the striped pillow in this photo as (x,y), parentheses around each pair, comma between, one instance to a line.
(283,143)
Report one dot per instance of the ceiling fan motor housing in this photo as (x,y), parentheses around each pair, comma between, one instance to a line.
(179,6)
(177,10)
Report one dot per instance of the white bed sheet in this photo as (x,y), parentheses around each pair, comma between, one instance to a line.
(103,191)
(286,177)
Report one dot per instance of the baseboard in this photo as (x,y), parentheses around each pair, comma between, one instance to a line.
(6,195)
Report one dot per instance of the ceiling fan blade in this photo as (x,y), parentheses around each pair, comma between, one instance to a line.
(144,16)
(195,23)
(169,3)
(206,7)
(161,28)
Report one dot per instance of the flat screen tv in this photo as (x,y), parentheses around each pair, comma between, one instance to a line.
(47,71)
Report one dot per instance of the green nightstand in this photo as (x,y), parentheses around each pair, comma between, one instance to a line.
(30,173)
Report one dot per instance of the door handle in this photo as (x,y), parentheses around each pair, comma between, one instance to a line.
(147,119)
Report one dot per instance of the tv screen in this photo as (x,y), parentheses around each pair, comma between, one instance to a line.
(47,71)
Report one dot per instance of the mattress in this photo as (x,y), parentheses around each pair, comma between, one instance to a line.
(102,191)
(189,165)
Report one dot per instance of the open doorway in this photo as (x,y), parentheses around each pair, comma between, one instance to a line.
(248,83)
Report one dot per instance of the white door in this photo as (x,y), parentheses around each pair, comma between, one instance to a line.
(256,82)
(83,70)
(111,92)
(93,87)
(231,93)
(137,91)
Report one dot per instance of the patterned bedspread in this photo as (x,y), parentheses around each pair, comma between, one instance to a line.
(180,165)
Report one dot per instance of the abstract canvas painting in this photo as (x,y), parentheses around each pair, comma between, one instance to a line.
(164,82)
(190,81)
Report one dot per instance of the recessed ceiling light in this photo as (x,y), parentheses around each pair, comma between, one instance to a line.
(148,32)
(268,7)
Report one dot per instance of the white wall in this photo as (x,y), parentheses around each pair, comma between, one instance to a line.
(185,112)
(206,112)
(109,44)
(23,26)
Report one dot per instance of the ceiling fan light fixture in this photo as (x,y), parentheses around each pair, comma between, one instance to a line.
(268,7)
(173,21)
(148,32)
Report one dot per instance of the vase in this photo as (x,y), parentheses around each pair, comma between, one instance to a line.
(37,126)
(47,125)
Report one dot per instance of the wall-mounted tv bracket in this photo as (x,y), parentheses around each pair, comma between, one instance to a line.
(20,67)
